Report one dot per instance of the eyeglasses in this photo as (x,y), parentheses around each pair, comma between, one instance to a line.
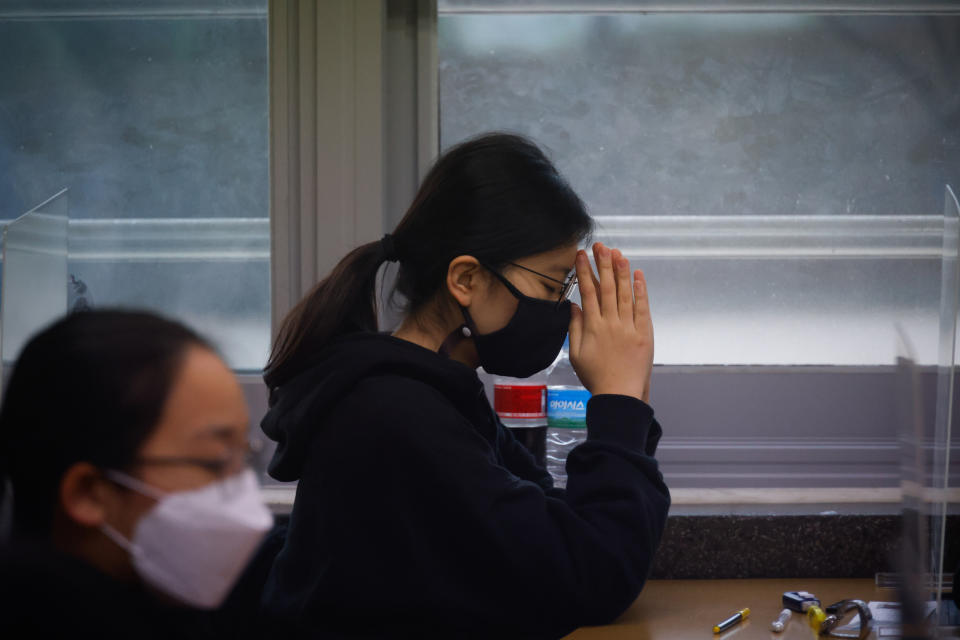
(567,285)
(236,460)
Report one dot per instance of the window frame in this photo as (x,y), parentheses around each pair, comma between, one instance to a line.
(400,42)
(344,167)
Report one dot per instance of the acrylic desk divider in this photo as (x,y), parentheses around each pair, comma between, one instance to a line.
(911,578)
(940,479)
(925,449)
(33,291)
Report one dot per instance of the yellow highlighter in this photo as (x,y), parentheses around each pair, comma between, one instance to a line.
(736,618)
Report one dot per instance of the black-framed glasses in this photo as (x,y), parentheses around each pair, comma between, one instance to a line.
(567,285)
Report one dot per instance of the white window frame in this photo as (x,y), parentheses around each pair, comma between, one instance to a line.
(353,128)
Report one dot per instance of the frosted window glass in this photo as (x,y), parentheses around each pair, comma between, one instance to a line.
(152,114)
(780,177)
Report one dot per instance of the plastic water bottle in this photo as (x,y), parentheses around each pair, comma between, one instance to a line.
(566,414)
(521,404)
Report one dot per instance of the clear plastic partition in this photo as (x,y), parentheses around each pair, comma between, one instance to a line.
(942,440)
(912,569)
(34,288)
(925,440)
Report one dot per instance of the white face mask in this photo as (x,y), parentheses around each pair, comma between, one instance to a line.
(193,545)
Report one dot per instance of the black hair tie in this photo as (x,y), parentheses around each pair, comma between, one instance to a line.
(389,248)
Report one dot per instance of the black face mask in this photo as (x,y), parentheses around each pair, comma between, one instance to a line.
(531,340)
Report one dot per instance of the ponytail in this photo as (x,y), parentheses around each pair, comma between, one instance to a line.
(343,302)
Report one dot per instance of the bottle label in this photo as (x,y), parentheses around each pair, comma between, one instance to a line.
(567,408)
(526,401)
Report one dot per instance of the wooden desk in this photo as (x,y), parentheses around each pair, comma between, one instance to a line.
(688,609)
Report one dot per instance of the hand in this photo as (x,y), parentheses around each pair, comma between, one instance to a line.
(611,337)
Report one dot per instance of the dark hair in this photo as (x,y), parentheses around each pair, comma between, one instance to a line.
(91,387)
(495,197)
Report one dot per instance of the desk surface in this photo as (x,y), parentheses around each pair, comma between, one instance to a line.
(688,609)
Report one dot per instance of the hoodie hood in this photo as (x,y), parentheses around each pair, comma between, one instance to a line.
(299,409)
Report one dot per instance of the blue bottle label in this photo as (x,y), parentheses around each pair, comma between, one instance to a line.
(567,408)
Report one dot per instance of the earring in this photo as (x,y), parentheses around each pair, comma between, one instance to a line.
(466,331)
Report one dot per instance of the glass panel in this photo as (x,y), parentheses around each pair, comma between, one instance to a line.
(34,289)
(717,114)
(154,114)
(772,290)
(778,176)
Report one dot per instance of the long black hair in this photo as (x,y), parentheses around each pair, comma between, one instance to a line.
(89,388)
(496,197)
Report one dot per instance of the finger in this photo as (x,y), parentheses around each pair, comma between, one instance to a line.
(588,288)
(593,276)
(576,330)
(608,286)
(624,288)
(596,285)
(641,304)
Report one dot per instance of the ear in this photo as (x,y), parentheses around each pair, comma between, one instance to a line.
(84,495)
(463,279)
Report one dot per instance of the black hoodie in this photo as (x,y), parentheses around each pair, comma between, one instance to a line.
(418,513)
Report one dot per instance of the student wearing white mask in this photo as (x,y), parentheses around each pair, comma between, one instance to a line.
(124,439)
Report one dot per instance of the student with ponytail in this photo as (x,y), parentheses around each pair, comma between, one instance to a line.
(417,513)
